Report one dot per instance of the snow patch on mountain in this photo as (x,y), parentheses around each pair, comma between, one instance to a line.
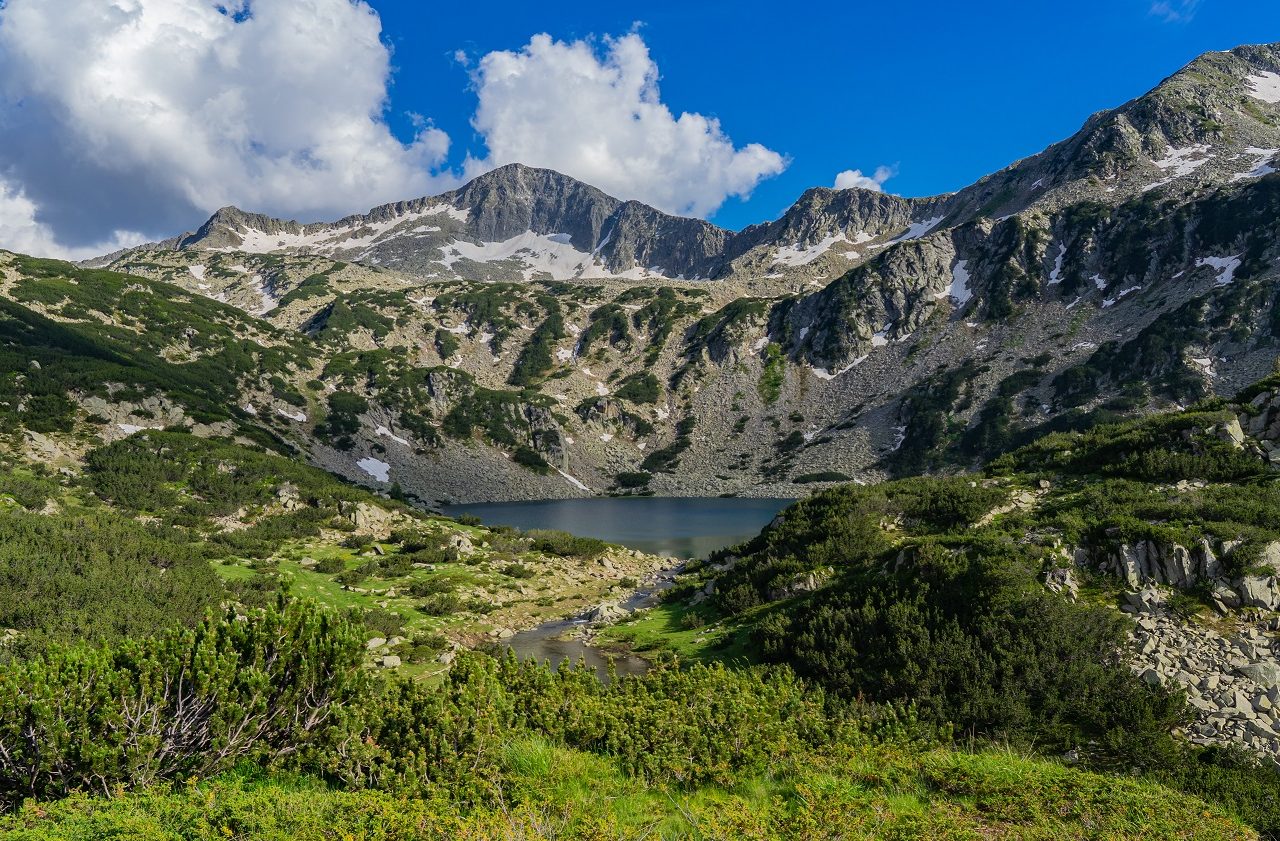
(1226,267)
(268,298)
(379,470)
(553,254)
(1055,276)
(799,255)
(959,290)
(1261,166)
(825,374)
(1180,162)
(577,483)
(1110,302)
(387,433)
(1264,85)
(918,229)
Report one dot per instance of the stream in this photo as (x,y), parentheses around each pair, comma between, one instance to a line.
(679,528)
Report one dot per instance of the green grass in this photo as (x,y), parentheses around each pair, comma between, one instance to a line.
(666,628)
(546,791)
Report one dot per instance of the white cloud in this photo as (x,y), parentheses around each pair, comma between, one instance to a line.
(125,116)
(599,118)
(22,232)
(851,178)
(136,112)
(1175,11)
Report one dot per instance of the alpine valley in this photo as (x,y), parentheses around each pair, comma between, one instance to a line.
(1029,587)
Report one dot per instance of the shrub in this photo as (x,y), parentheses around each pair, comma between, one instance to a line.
(190,702)
(823,476)
(639,388)
(566,545)
(532,459)
(633,479)
(440,604)
(330,565)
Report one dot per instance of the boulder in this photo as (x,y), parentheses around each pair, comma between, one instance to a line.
(1062,580)
(1209,566)
(1147,600)
(605,612)
(288,497)
(1256,591)
(806,582)
(1270,556)
(1180,569)
(370,519)
(390,661)
(1130,563)
(1263,672)
(1230,432)
(1224,597)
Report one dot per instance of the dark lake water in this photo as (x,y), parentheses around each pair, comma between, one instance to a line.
(672,526)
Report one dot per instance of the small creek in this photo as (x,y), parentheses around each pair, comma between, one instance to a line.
(675,527)
(553,641)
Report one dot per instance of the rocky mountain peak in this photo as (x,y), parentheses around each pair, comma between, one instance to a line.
(1215,121)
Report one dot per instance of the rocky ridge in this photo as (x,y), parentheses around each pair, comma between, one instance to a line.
(1129,268)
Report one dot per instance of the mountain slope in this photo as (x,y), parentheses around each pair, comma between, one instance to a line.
(1129,268)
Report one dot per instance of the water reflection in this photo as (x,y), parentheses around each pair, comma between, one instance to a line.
(671,526)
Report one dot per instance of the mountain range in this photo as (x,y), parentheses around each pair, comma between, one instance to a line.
(528,335)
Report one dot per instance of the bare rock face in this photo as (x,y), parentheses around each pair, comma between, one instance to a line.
(1258,591)
(1149,562)
(371,519)
(1111,263)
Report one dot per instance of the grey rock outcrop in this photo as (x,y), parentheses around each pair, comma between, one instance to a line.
(1150,562)
(604,613)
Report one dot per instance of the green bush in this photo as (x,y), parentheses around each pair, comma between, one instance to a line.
(528,457)
(771,378)
(343,418)
(633,479)
(566,545)
(330,565)
(823,476)
(190,702)
(98,576)
(639,388)
(440,604)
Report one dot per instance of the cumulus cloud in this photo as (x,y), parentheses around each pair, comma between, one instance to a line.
(127,116)
(598,116)
(851,178)
(135,114)
(20,231)
(1175,11)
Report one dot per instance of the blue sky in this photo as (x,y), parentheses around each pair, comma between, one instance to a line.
(946,91)
(123,121)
